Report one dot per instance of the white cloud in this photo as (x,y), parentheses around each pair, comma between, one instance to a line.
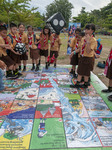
(78,4)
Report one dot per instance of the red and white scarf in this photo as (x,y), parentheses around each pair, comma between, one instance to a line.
(45,39)
(77,44)
(108,62)
(83,47)
(30,40)
(20,38)
(53,41)
(14,37)
(6,42)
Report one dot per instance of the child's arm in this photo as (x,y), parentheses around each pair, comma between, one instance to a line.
(2,65)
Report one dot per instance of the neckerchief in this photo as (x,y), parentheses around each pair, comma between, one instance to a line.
(53,41)
(30,40)
(20,38)
(6,42)
(14,37)
(83,47)
(108,62)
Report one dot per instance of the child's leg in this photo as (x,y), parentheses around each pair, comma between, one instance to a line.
(39,60)
(55,62)
(37,65)
(20,65)
(1,80)
(24,63)
(33,65)
(46,63)
(74,74)
(71,70)
(109,87)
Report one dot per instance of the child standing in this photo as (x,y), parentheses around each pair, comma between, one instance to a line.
(75,44)
(22,38)
(4,44)
(89,46)
(34,51)
(44,38)
(55,47)
(12,37)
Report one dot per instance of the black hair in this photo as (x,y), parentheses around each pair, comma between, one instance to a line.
(78,30)
(29,27)
(90,26)
(3,27)
(46,27)
(12,25)
(20,24)
(82,33)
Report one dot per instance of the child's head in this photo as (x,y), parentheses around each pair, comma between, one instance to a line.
(81,35)
(3,31)
(21,27)
(13,28)
(46,30)
(77,31)
(90,29)
(30,29)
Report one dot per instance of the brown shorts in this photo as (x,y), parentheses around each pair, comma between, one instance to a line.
(34,53)
(55,54)
(15,58)
(109,72)
(24,57)
(74,59)
(7,60)
(85,66)
(44,52)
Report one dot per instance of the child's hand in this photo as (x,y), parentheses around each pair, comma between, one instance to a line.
(71,55)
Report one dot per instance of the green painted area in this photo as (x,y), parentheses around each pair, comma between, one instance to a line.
(54,138)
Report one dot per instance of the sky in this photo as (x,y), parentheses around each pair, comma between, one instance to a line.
(78,4)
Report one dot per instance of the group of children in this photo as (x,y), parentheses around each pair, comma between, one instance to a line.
(36,46)
(84,46)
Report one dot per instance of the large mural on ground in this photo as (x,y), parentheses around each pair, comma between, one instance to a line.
(42,112)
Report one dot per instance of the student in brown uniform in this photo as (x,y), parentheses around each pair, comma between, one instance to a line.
(34,51)
(75,44)
(85,66)
(3,54)
(12,37)
(44,46)
(55,47)
(22,38)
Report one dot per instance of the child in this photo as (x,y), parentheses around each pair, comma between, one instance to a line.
(108,72)
(55,47)
(4,44)
(12,37)
(44,38)
(85,66)
(34,51)
(22,38)
(75,44)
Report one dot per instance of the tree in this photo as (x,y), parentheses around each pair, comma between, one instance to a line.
(62,6)
(11,6)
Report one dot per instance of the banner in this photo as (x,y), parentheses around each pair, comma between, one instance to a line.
(71,34)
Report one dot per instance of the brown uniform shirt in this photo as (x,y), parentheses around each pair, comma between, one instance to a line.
(24,38)
(73,45)
(93,45)
(2,50)
(14,41)
(44,42)
(56,43)
(34,46)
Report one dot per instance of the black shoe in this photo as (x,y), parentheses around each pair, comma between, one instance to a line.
(85,85)
(48,63)
(71,72)
(33,68)
(55,65)
(11,76)
(37,68)
(110,98)
(24,69)
(77,85)
(106,90)
(19,74)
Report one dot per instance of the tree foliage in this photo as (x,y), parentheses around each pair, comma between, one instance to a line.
(62,6)
(101,18)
